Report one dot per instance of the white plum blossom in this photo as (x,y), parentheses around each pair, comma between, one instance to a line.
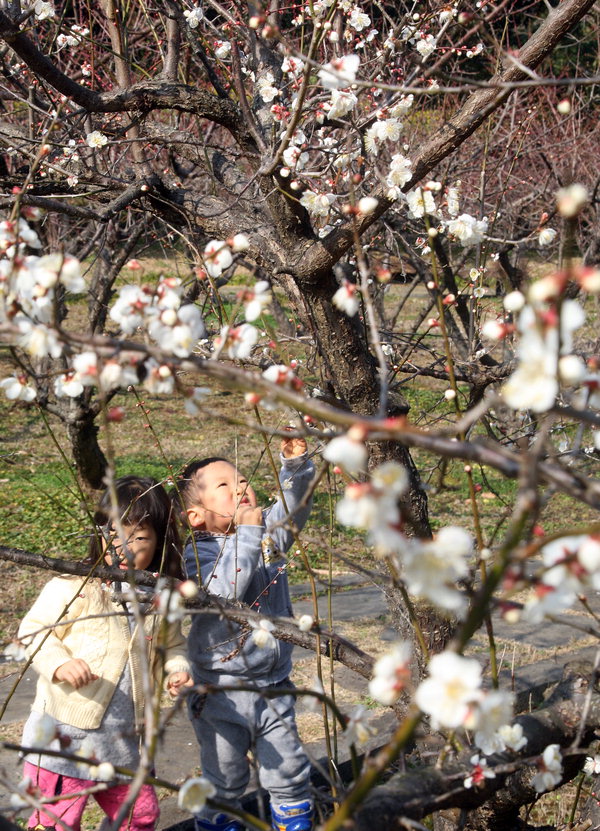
(96,139)
(295,158)
(114,375)
(317,204)
(339,73)
(479,773)
(549,769)
(367,205)
(513,301)
(189,589)
(169,601)
(16,388)
(592,765)
(476,50)
(159,378)
(129,308)
(305,623)
(402,106)
(238,340)
(86,750)
(571,567)
(39,341)
(178,331)
(196,397)
(432,568)
(468,230)
(358,19)
(534,385)
(256,300)
(193,794)
(374,505)
(14,233)
(512,736)
(292,65)
(44,732)
(571,369)
(400,171)
(193,16)
(361,507)
(17,801)
(104,772)
(73,38)
(382,130)
(420,202)
(340,104)
(546,236)
(222,49)
(239,242)
(217,257)
(85,366)
(572,199)
(261,634)
(68,385)
(358,730)
(493,329)
(451,690)
(15,651)
(391,673)
(494,711)
(265,86)
(349,453)
(390,477)
(43,9)
(426,46)
(346,298)
(283,376)
(168,293)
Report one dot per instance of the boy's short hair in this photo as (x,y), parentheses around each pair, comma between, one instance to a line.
(186,491)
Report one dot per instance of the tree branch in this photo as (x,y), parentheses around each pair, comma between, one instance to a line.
(420,792)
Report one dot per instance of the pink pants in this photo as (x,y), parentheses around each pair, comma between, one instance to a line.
(143,815)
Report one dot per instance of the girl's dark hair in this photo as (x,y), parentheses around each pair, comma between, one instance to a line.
(185,493)
(142,501)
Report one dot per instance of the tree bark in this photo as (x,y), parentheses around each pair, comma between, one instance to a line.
(90,461)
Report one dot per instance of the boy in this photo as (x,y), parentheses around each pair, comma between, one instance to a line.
(239,553)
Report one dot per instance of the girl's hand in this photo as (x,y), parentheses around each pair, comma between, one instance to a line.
(293,447)
(176,681)
(75,672)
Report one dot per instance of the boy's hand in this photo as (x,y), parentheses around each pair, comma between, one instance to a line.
(293,447)
(176,681)
(248,515)
(75,672)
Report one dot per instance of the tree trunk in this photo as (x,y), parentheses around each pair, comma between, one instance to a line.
(90,461)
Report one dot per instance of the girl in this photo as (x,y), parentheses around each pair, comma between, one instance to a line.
(89,662)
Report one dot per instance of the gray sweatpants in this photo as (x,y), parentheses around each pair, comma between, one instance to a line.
(229,724)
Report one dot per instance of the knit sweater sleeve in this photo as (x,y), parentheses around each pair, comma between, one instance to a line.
(58,603)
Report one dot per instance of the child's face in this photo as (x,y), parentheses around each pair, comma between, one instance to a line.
(141,544)
(221,490)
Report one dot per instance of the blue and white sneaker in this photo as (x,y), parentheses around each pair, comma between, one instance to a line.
(295,816)
(220,822)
